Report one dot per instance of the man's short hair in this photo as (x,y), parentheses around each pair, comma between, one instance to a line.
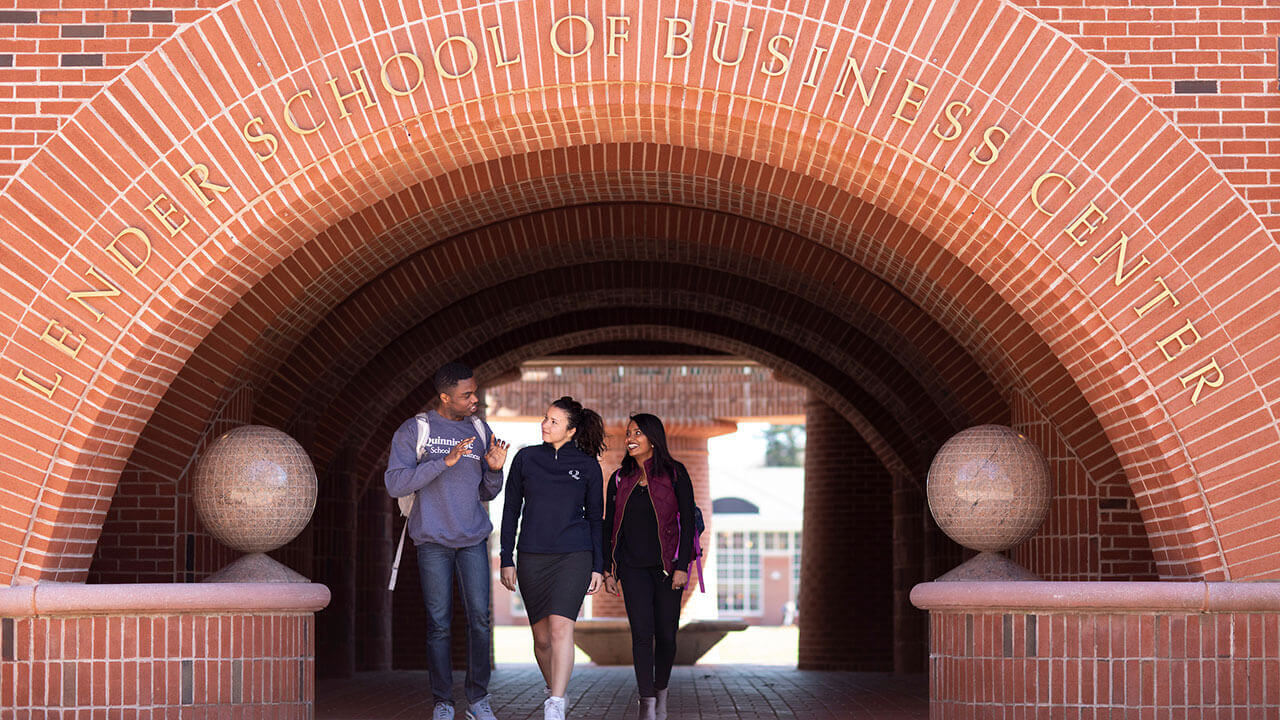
(449,375)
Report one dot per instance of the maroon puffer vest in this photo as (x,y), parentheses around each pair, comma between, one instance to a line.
(663,494)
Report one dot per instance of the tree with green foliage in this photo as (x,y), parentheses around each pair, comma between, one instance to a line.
(784,446)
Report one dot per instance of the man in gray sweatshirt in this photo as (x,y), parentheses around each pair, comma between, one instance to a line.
(456,473)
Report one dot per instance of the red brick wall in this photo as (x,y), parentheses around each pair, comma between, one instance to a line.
(1098,665)
(157,666)
(58,54)
(1093,530)
(962,288)
(1210,67)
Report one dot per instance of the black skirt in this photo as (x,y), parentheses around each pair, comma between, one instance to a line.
(553,584)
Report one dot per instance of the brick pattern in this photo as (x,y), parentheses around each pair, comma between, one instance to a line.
(59,54)
(374,620)
(1155,47)
(678,390)
(981,293)
(1104,665)
(1210,67)
(847,577)
(1093,531)
(159,666)
(152,533)
(340,346)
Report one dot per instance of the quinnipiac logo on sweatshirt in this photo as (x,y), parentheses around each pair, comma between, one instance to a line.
(576,475)
(443,446)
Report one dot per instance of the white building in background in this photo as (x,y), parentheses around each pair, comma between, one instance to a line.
(758,512)
(757,526)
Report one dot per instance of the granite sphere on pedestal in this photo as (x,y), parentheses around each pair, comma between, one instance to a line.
(989,489)
(254,490)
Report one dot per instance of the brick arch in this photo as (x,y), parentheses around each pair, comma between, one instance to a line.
(502,353)
(864,379)
(280,328)
(328,357)
(1201,491)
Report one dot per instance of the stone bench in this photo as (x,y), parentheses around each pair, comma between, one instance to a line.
(607,641)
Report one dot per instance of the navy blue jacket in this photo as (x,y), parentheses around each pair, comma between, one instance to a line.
(557,498)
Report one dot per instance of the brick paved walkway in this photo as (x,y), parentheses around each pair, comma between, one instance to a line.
(712,692)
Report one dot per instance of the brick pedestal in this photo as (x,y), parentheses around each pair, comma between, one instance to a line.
(154,651)
(1142,650)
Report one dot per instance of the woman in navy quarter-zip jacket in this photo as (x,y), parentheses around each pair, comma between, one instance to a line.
(555,494)
(647,553)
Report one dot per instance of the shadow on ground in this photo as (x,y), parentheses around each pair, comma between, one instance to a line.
(706,692)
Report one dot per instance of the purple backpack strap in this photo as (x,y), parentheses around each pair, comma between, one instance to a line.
(697,558)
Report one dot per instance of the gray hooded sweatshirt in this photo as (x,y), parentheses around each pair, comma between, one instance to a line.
(448,510)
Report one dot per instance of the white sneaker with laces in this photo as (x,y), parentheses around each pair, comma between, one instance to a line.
(553,708)
(443,711)
(480,710)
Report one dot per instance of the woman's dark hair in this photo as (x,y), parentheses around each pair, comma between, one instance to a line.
(653,429)
(590,426)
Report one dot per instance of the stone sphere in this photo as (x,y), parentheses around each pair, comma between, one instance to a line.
(989,488)
(254,488)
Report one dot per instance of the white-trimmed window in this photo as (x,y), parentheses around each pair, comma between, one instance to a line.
(738,572)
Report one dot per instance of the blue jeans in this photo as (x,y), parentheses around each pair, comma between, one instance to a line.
(437,566)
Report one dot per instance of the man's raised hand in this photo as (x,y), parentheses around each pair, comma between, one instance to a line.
(497,455)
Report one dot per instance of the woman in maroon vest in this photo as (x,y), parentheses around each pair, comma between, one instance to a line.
(647,550)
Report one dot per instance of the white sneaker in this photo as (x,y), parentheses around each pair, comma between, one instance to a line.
(553,709)
(444,711)
(480,710)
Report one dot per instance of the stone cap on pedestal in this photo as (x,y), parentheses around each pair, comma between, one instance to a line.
(158,598)
(1067,597)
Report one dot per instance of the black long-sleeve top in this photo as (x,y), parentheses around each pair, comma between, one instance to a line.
(638,535)
(555,498)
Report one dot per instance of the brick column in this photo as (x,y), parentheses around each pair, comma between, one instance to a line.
(377,546)
(846,590)
(335,554)
(910,625)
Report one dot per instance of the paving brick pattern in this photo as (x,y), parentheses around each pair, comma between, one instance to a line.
(716,692)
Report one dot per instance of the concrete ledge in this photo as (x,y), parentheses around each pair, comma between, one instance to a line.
(72,599)
(1082,597)
(607,641)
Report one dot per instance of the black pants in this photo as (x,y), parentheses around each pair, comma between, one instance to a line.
(653,609)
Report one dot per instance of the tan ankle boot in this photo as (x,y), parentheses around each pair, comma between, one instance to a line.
(660,707)
(645,711)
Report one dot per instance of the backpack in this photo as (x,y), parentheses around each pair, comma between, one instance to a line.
(699,527)
(406,503)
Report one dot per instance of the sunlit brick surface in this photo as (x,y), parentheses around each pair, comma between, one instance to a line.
(957,240)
